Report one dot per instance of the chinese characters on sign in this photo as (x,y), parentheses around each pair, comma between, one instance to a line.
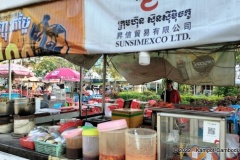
(157,33)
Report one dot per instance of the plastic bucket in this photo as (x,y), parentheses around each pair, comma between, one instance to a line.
(140,144)
(112,140)
(73,143)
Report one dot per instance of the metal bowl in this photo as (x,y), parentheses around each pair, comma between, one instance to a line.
(24,106)
(6,108)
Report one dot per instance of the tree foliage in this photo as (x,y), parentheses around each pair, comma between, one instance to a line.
(238,58)
(42,66)
(226,91)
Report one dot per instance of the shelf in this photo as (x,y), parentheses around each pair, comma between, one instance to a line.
(57,117)
(192,112)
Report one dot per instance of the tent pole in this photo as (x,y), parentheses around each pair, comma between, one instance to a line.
(21,79)
(21,87)
(104,82)
(80,91)
(27,87)
(194,90)
(156,86)
(9,80)
(165,92)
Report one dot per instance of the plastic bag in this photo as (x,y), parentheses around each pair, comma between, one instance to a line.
(183,120)
(173,136)
(232,142)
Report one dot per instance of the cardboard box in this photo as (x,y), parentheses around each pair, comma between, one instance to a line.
(134,117)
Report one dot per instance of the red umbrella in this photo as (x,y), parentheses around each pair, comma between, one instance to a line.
(65,74)
(17,70)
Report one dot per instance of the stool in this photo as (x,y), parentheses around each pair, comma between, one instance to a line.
(234,119)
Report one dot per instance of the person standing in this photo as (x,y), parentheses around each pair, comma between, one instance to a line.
(39,89)
(172,95)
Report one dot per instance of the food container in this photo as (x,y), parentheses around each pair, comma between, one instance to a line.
(25,142)
(6,128)
(23,124)
(6,107)
(73,143)
(90,144)
(112,140)
(134,117)
(140,144)
(54,128)
(24,106)
(70,124)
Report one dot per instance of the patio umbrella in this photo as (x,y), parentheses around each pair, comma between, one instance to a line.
(26,79)
(18,71)
(30,79)
(65,74)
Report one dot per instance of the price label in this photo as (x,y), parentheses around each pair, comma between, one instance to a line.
(195,155)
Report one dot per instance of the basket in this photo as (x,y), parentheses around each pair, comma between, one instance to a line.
(67,125)
(50,149)
(57,105)
(26,143)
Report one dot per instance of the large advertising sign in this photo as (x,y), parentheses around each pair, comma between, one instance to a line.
(45,29)
(110,26)
(142,25)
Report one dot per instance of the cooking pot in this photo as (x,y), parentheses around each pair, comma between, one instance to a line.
(5,119)
(6,108)
(24,106)
(6,128)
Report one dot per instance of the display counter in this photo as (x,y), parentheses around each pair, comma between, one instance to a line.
(179,129)
(10,143)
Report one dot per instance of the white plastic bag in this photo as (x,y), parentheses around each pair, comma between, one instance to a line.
(232,141)
(173,136)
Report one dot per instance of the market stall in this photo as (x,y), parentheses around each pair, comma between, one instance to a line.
(69,35)
(210,134)
(12,71)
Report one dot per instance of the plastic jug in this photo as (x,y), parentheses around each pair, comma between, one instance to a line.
(140,144)
(73,143)
(112,140)
(90,144)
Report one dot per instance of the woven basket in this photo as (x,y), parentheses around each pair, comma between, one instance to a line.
(50,149)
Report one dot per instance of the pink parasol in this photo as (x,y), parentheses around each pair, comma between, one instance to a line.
(17,70)
(65,74)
